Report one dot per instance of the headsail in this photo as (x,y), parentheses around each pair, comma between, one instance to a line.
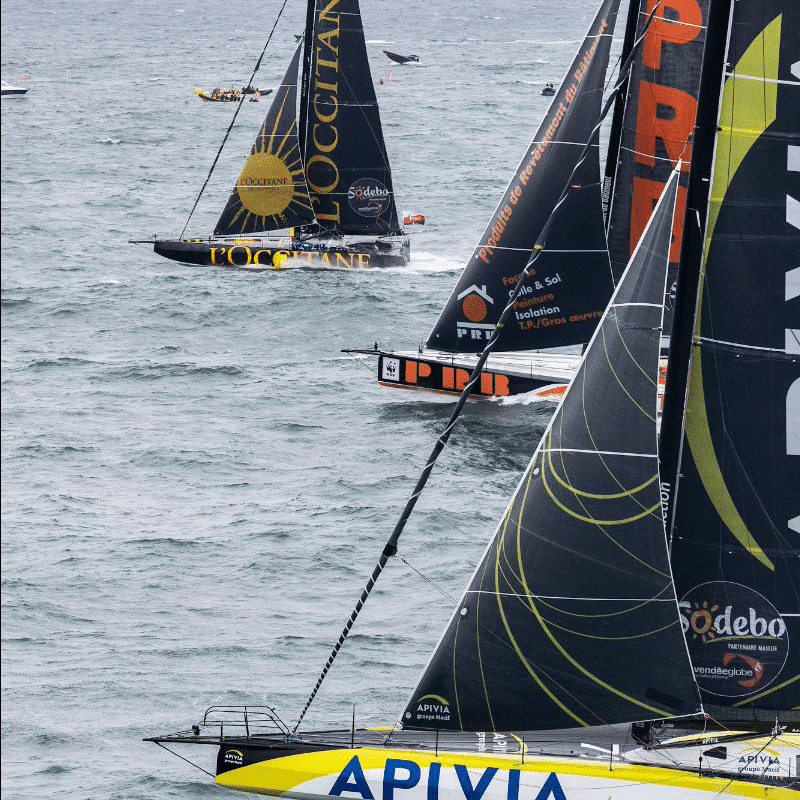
(571,617)
(347,168)
(567,299)
(736,526)
(270,192)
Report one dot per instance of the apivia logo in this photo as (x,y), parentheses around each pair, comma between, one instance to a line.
(737,640)
(368,197)
(404,779)
(431,707)
(234,757)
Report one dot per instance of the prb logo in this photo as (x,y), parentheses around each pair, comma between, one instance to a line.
(475,302)
(737,640)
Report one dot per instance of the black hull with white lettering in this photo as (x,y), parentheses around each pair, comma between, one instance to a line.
(257,254)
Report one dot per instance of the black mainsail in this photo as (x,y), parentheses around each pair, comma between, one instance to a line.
(271,192)
(736,504)
(564,302)
(571,618)
(346,164)
(657,126)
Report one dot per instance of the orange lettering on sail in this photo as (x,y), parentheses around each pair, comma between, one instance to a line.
(668,114)
(645,196)
(684,23)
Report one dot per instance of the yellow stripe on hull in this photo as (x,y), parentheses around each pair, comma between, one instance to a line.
(381,774)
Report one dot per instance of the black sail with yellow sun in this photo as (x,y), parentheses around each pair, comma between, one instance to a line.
(571,618)
(271,192)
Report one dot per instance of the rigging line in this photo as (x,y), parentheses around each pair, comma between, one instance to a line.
(182,758)
(233,120)
(429,580)
(390,549)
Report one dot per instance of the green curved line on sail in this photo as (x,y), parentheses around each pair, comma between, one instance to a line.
(638,366)
(755,110)
(612,638)
(592,495)
(511,636)
(616,377)
(594,444)
(599,681)
(600,523)
(768,691)
(610,613)
(592,520)
(433,697)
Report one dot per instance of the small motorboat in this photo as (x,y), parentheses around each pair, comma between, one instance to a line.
(401,59)
(548,90)
(414,219)
(230,95)
(9,90)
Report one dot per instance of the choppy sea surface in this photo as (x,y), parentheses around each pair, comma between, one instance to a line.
(196,481)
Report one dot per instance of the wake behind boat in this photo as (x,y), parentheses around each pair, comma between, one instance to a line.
(316,188)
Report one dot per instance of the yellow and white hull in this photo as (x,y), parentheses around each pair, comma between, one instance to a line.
(389,774)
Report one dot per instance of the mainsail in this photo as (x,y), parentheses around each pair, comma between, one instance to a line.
(736,520)
(346,165)
(567,298)
(571,617)
(270,192)
(657,125)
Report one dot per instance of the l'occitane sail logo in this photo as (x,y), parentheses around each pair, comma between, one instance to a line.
(737,640)
(432,707)
(265,185)
(322,172)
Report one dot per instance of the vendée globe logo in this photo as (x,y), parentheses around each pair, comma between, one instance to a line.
(736,638)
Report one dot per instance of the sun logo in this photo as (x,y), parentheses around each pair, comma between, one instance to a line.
(701,621)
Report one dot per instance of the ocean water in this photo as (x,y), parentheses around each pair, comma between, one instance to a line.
(196,481)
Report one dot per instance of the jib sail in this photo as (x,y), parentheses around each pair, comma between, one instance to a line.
(568,296)
(270,192)
(571,617)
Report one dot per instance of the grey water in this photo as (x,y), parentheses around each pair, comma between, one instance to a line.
(196,481)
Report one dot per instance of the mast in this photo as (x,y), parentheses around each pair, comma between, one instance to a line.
(703,140)
(615,135)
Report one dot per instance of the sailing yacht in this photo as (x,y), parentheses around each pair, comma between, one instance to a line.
(632,627)
(654,111)
(320,174)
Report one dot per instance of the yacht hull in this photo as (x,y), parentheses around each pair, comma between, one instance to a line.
(268,254)
(388,774)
